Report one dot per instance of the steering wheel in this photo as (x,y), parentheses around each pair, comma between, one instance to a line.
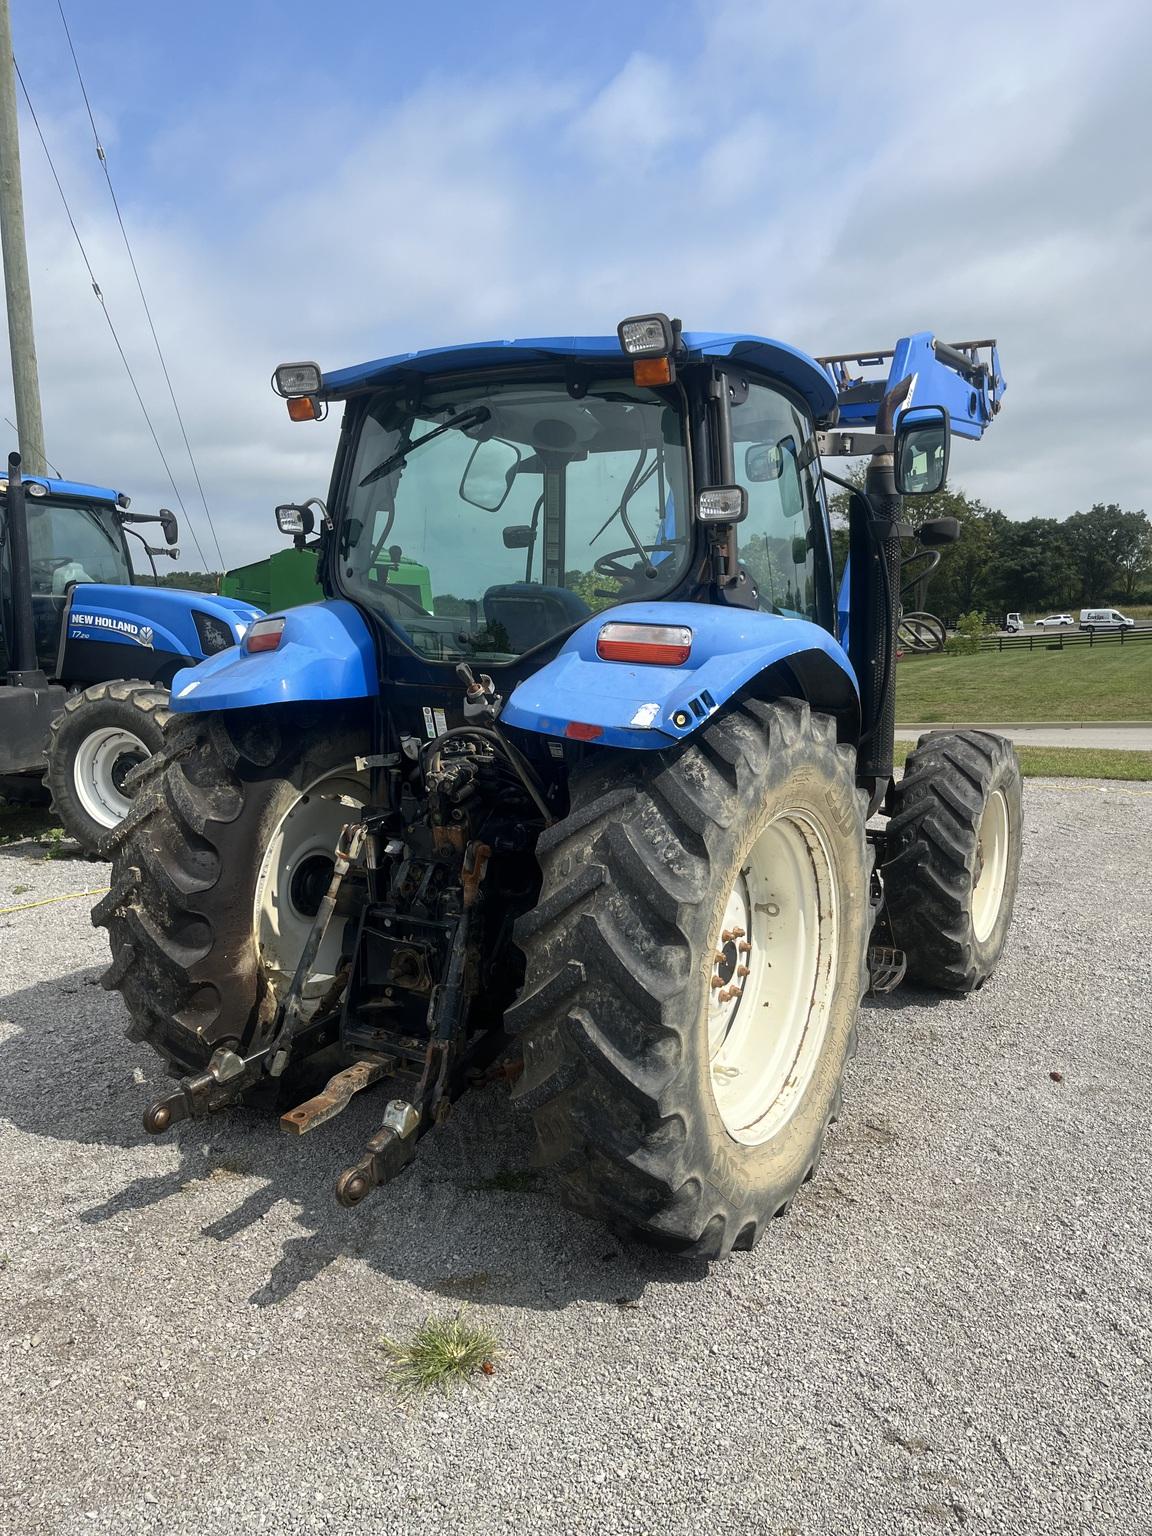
(612,564)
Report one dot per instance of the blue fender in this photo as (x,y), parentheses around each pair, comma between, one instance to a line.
(636,705)
(152,618)
(326,652)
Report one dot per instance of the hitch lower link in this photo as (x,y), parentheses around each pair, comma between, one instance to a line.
(229,1075)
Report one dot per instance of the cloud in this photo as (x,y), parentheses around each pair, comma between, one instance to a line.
(836,181)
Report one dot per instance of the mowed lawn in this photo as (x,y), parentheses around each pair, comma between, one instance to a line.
(1109,682)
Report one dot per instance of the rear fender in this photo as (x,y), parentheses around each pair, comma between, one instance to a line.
(325,653)
(620,704)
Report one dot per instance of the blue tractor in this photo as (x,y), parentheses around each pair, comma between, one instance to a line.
(86,655)
(612,802)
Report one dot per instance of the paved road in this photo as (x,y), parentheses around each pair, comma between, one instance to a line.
(949,1332)
(1128,738)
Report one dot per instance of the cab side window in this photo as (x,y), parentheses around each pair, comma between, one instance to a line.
(777,539)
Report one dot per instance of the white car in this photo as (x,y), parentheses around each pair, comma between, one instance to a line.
(1056,621)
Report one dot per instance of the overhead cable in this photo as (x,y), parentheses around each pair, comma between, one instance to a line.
(103,305)
(103,158)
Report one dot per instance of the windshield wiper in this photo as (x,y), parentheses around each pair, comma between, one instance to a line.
(470,418)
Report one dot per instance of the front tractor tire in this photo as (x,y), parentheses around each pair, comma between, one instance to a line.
(95,742)
(694,969)
(217,873)
(953,857)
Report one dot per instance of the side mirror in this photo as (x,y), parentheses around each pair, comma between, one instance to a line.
(169,524)
(766,461)
(921,451)
(939,530)
(298,521)
(519,536)
(489,473)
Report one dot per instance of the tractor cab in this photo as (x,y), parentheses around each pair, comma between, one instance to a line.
(73,536)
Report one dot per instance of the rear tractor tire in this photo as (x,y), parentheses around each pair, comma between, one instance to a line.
(694,969)
(217,873)
(953,857)
(95,742)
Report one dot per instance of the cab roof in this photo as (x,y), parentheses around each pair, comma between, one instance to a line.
(66,488)
(783,362)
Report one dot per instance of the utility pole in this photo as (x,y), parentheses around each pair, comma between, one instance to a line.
(21,337)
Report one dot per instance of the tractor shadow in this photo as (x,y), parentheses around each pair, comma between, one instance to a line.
(472,1219)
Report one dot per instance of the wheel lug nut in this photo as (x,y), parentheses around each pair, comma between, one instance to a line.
(745,948)
(741,970)
(737,933)
(716,982)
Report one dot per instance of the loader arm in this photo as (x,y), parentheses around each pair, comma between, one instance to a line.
(963,377)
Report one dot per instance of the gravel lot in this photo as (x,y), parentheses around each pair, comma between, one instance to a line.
(950,1331)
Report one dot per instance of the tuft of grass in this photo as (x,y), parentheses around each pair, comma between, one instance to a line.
(1070,762)
(442,1353)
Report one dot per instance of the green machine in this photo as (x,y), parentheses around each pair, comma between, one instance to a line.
(288,578)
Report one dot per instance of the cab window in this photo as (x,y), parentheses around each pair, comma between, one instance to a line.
(777,540)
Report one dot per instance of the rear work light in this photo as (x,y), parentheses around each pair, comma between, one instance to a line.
(265,635)
(660,645)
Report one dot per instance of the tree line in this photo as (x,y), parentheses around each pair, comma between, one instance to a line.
(1099,557)
(998,565)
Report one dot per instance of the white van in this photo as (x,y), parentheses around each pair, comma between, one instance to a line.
(1013,623)
(1104,618)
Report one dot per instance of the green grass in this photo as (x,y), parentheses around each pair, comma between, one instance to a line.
(442,1353)
(1085,683)
(1069,762)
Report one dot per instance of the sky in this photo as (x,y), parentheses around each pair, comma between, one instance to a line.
(343,183)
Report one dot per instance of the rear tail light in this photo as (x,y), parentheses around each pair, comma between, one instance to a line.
(264,635)
(660,645)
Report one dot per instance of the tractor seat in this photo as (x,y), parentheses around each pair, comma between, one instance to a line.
(530,614)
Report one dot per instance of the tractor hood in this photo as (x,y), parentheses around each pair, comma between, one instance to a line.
(189,625)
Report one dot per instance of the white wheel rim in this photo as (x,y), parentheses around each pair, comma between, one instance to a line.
(991,865)
(98,769)
(293,876)
(766,1028)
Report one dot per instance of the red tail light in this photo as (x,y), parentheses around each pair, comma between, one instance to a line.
(265,635)
(660,645)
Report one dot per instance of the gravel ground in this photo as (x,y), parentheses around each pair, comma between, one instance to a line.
(950,1331)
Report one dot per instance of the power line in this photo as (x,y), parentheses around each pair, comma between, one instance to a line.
(40,446)
(108,317)
(139,285)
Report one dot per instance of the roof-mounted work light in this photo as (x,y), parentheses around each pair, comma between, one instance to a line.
(296,379)
(650,340)
(299,384)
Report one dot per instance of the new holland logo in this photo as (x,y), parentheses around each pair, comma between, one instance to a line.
(142,634)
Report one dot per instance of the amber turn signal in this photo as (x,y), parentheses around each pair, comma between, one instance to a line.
(653,370)
(304,408)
